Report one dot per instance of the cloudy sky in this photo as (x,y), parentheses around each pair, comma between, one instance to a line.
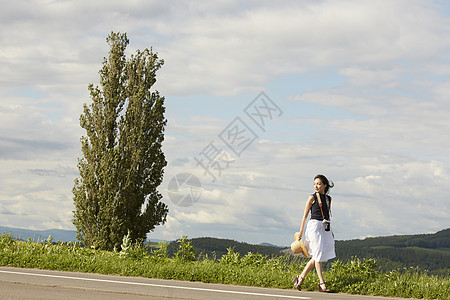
(278,91)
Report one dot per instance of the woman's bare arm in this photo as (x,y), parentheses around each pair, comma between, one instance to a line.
(308,205)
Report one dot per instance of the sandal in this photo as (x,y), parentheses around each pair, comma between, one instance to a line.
(297,282)
(323,290)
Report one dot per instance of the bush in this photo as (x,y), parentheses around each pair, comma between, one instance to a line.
(352,276)
(356,276)
(231,258)
(132,250)
(185,251)
(161,252)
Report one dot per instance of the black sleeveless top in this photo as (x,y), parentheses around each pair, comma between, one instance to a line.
(316,214)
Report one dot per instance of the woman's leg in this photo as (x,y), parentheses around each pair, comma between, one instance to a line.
(322,286)
(298,280)
(308,268)
(319,271)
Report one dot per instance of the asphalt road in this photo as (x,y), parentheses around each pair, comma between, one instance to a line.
(17,283)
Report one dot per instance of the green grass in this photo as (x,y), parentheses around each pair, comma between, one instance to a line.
(356,276)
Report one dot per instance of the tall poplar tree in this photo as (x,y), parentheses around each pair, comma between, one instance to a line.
(123,161)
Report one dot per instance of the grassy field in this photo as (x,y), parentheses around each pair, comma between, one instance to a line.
(252,269)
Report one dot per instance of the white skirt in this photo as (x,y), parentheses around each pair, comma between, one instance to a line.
(320,243)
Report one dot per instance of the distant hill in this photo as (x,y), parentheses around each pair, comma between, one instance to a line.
(429,252)
(25,234)
(437,240)
(218,247)
(270,245)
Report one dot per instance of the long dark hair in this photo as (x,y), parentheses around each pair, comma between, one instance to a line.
(325,180)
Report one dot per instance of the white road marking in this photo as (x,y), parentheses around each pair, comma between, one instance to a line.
(154,285)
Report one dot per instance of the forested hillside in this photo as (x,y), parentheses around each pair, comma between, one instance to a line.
(428,252)
(218,247)
(437,240)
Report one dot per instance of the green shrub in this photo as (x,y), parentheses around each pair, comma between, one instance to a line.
(351,276)
(161,252)
(132,250)
(185,251)
(356,276)
(231,258)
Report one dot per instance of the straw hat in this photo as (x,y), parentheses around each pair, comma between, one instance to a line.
(298,246)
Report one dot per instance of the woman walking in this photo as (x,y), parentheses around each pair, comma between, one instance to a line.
(319,239)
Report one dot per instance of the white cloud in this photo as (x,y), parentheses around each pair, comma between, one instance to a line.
(203,217)
(264,42)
